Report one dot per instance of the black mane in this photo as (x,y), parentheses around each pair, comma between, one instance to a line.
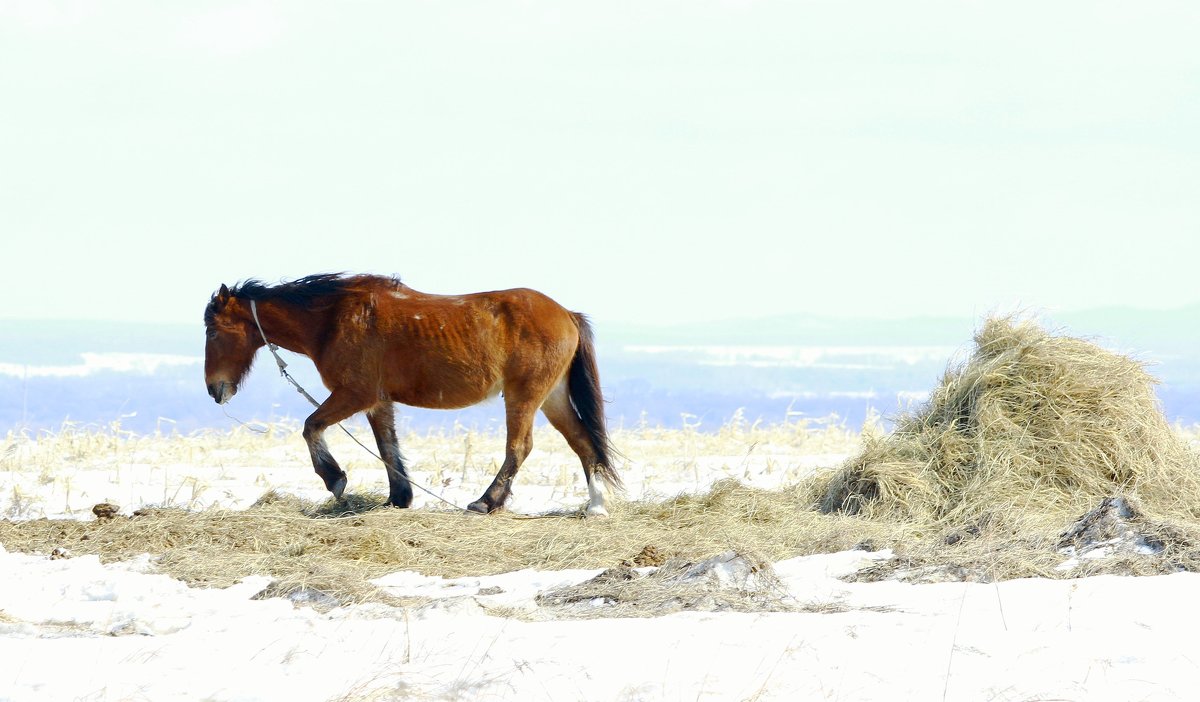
(302,291)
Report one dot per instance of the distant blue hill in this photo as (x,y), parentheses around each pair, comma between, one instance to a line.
(1144,329)
(149,377)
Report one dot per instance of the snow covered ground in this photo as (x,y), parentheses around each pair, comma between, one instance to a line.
(75,629)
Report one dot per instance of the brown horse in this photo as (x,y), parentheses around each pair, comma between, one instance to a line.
(376,341)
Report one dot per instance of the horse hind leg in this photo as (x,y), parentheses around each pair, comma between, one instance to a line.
(562,416)
(519,443)
(382,418)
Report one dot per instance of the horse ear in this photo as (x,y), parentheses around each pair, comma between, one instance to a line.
(223,293)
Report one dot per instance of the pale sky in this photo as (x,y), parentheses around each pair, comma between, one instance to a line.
(640,161)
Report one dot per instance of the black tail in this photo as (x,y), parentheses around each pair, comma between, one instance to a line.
(583,381)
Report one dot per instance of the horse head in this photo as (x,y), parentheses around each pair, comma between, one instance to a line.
(231,341)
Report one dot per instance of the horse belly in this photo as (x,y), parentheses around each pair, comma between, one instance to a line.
(445,391)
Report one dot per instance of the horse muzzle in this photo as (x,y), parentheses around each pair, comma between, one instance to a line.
(221,391)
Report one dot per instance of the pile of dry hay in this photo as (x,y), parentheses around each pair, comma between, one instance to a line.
(1031,432)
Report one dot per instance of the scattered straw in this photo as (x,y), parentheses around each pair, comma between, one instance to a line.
(728,582)
(335,548)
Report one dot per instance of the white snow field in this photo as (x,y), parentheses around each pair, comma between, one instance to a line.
(72,628)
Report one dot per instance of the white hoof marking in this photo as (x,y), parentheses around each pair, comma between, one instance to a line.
(597,497)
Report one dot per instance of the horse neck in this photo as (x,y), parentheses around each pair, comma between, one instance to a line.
(292,327)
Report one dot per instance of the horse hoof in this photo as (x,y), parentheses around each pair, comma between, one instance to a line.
(401,498)
(338,488)
(597,511)
(478,506)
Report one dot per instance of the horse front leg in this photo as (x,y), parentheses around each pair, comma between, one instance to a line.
(338,406)
(517,447)
(382,418)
